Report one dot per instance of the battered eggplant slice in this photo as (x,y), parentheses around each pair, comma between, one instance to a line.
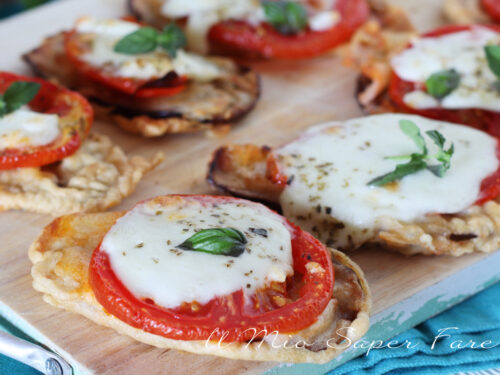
(96,177)
(148,11)
(465,12)
(200,106)
(371,50)
(236,169)
(61,257)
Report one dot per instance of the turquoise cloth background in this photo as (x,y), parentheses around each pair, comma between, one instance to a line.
(477,318)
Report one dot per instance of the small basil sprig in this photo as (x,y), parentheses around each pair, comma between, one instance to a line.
(287,17)
(147,39)
(17,94)
(493,57)
(218,241)
(442,83)
(418,161)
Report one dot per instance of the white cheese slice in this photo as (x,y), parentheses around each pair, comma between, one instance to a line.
(24,127)
(462,51)
(203,14)
(332,164)
(106,33)
(143,254)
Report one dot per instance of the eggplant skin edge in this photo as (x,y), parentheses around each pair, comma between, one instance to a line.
(157,123)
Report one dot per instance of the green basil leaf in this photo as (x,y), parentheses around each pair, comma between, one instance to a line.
(171,39)
(18,94)
(218,241)
(442,83)
(414,165)
(143,40)
(287,17)
(437,137)
(411,130)
(493,57)
(438,170)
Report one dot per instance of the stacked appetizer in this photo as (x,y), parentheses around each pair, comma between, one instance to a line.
(205,274)
(449,74)
(270,29)
(142,79)
(48,162)
(409,183)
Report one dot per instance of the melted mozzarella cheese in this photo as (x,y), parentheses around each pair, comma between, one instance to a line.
(462,51)
(143,253)
(25,127)
(332,164)
(156,64)
(203,14)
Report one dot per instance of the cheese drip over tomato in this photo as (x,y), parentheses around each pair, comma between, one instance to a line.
(104,35)
(24,128)
(203,14)
(462,51)
(143,252)
(330,166)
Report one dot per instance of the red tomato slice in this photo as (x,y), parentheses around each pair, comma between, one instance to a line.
(485,120)
(239,37)
(490,186)
(226,318)
(492,7)
(76,46)
(75,118)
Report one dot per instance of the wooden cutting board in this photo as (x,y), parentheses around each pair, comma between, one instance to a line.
(295,95)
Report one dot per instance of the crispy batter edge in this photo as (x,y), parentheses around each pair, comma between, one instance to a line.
(476,229)
(50,198)
(45,253)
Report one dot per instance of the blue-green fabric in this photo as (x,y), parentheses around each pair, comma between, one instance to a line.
(477,319)
(9,366)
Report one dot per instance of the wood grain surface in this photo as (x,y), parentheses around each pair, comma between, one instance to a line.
(295,96)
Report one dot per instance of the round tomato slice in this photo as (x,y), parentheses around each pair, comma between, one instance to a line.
(485,120)
(239,37)
(75,118)
(76,45)
(490,186)
(492,7)
(231,317)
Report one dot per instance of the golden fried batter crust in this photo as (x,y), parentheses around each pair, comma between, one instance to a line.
(373,45)
(464,12)
(61,256)
(235,169)
(99,175)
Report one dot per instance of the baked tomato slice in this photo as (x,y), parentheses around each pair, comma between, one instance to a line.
(485,120)
(301,299)
(76,45)
(239,37)
(492,7)
(75,119)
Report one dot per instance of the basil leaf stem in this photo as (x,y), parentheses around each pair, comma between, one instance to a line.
(418,161)
(18,94)
(414,165)
(442,83)
(287,17)
(217,241)
(148,39)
